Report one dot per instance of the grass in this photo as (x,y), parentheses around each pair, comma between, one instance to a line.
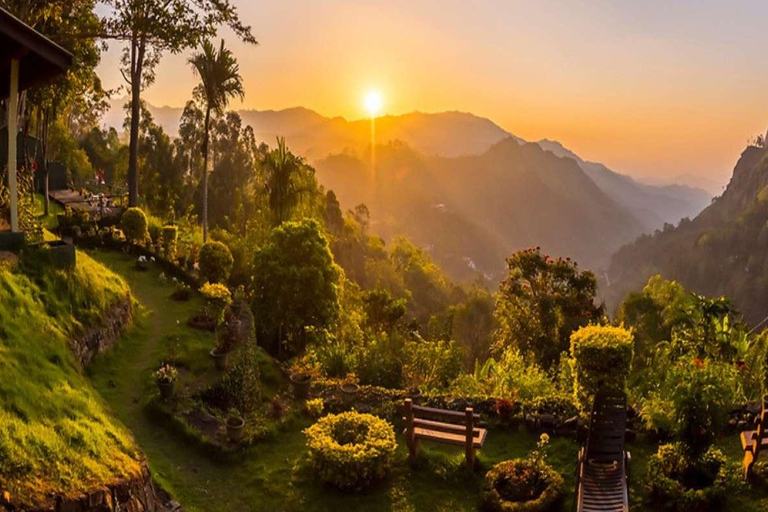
(50,222)
(56,435)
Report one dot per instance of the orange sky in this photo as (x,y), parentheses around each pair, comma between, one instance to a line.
(648,88)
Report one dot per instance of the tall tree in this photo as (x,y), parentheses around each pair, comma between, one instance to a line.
(220,80)
(152,27)
(541,302)
(283,182)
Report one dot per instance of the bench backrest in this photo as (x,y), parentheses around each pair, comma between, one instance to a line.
(762,431)
(442,415)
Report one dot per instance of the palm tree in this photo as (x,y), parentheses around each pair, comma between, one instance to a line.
(220,80)
(283,184)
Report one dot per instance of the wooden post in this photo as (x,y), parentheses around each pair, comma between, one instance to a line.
(12,105)
(410,430)
(470,445)
(750,457)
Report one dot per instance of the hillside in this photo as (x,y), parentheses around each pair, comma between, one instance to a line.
(723,251)
(472,211)
(57,437)
(653,205)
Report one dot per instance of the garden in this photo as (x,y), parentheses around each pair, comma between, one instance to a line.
(233,410)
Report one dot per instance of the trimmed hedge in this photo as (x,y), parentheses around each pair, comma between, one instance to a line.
(522,485)
(707,479)
(600,354)
(351,450)
(134,225)
(215,262)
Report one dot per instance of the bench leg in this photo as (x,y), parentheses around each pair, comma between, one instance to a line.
(470,458)
(413,449)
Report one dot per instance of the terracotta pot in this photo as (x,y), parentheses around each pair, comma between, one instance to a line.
(220,359)
(166,389)
(235,430)
(301,383)
(349,392)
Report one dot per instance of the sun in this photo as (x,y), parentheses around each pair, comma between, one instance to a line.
(373,102)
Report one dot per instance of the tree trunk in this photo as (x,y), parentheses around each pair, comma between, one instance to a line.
(137,62)
(205,174)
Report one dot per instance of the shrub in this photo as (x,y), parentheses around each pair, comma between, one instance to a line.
(315,407)
(687,484)
(560,405)
(215,262)
(240,387)
(134,225)
(351,450)
(217,298)
(523,485)
(692,401)
(600,355)
(170,237)
(379,362)
(431,364)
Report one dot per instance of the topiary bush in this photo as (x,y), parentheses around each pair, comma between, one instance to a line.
(134,225)
(688,484)
(215,262)
(600,355)
(351,450)
(170,237)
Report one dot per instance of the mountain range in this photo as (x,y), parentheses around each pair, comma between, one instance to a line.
(467,189)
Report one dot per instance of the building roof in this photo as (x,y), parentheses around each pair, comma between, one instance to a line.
(39,58)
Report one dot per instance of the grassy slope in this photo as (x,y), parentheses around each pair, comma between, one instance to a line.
(273,475)
(55,433)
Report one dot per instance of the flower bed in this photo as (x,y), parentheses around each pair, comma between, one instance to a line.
(351,450)
(522,485)
(686,485)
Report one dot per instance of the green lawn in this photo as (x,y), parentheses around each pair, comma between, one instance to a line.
(50,222)
(272,475)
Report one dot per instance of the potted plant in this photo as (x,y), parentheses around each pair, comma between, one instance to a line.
(349,388)
(235,425)
(301,378)
(414,394)
(166,377)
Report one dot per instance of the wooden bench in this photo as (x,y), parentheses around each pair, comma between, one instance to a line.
(753,441)
(442,426)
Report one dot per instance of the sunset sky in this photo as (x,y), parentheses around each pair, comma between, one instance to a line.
(648,88)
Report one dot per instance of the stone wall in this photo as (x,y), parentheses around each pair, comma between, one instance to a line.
(104,334)
(138,495)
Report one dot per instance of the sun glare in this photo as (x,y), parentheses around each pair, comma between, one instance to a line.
(373,102)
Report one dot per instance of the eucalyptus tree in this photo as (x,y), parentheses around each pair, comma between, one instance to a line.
(220,81)
(151,28)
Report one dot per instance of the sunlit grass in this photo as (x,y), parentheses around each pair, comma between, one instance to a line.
(55,434)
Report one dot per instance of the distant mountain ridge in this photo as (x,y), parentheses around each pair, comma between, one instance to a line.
(447,134)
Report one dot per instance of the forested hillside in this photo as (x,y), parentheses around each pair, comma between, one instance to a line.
(471,211)
(723,251)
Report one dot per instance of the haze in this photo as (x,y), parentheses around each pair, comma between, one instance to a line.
(650,89)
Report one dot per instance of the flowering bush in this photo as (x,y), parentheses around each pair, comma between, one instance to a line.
(134,225)
(215,262)
(351,450)
(166,374)
(523,485)
(684,483)
(217,298)
(599,355)
(315,407)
